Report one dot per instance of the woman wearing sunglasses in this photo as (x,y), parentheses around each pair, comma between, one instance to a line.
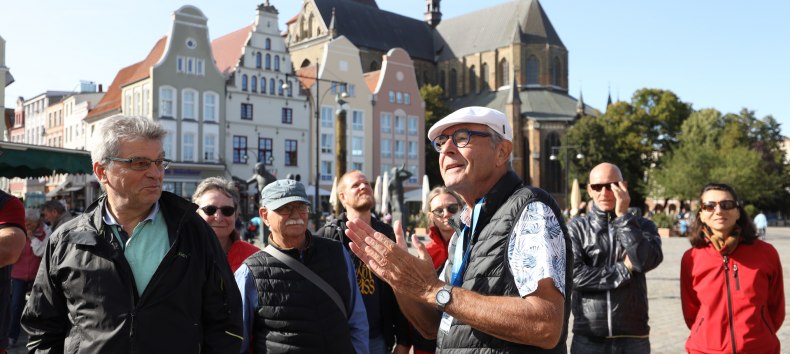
(730,282)
(218,203)
(443,204)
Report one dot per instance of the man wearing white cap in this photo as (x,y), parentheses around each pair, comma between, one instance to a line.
(300,294)
(506,286)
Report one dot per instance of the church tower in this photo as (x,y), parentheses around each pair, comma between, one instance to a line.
(432,13)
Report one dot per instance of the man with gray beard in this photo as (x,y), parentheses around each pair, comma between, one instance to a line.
(300,294)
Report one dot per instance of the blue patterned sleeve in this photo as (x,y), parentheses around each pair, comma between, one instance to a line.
(536,249)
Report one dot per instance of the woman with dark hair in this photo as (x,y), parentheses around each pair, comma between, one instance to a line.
(731,285)
(218,204)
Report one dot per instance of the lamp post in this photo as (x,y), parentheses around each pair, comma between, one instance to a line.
(316,103)
(553,157)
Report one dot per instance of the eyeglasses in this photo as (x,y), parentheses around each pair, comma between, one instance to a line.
(288,209)
(460,138)
(226,210)
(723,204)
(599,186)
(452,209)
(142,163)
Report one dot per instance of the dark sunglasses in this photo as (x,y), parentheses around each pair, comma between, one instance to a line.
(723,204)
(226,210)
(599,186)
(452,209)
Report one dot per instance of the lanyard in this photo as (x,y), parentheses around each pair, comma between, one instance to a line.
(461,252)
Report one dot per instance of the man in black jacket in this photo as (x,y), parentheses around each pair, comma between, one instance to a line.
(139,271)
(612,251)
(385,320)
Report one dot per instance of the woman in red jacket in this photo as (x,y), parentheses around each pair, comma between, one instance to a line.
(218,204)
(730,282)
(23,273)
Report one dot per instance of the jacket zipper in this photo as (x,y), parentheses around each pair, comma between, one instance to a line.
(726,266)
(614,261)
(735,275)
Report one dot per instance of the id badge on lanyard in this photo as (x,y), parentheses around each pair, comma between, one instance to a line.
(461,260)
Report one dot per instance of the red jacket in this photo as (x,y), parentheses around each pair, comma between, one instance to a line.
(437,248)
(26,266)
(756,292)
(239,251)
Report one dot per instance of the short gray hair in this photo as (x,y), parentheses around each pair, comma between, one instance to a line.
(116,130)
(496,139)
(227,187)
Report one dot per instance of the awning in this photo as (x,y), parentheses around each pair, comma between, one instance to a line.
(23,161)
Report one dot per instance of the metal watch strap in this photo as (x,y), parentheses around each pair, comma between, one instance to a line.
(449,289)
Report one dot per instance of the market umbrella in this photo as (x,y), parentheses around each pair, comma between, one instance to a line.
(385,194)
(426,188)
(333,201)
(24,160)
(377,193)
(576,198)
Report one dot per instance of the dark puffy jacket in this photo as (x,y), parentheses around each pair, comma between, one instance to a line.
(608,300)
(384,315)
(85,299)
(488,272)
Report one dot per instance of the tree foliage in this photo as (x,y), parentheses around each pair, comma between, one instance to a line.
(435,109)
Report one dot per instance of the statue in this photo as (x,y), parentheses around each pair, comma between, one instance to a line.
(397,205)
(261,177)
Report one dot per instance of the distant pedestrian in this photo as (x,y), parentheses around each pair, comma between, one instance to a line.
(55,214)
(731,285)
(761,223)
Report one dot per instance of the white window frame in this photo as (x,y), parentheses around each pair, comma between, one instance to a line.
(187,106)
(210,109)
(188,147)
(164,104)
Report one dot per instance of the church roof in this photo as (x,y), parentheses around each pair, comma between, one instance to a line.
(367,26)
(540,104)
(494,27)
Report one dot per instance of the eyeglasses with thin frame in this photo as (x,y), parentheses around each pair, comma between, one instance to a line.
(288,209)
(451,209)
(226,210)
(142,163)
(460,138)
(599,186)
(723,204)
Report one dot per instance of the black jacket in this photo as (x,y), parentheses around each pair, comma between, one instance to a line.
(604,290)
(85,300)
(388,321)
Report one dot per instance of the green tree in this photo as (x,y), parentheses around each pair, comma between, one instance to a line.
(435,109)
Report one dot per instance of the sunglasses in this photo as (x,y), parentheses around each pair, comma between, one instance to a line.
(452,209)
(599,186)
(723,204)
(226,210)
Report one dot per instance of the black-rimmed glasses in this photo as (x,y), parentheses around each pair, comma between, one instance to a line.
(226,210)
(142,163)
(723,204)
(452,209)
(460,138)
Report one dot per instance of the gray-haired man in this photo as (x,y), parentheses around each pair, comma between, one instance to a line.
(139,271)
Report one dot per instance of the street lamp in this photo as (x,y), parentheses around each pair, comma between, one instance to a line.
(316,103)
(553,157)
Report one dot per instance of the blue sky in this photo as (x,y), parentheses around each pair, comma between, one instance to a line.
(721,54)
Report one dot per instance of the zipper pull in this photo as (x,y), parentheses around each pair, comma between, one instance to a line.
(735,274)
(725,263)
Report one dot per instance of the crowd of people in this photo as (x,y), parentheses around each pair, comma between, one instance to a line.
(142,270)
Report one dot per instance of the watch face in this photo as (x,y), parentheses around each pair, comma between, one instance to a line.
(443,296)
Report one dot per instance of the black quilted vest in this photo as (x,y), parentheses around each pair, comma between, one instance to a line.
(293,314)
(488,272)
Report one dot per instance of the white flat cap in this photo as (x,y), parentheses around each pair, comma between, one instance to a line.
(494,119)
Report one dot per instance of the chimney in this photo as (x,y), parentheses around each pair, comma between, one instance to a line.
(100,88)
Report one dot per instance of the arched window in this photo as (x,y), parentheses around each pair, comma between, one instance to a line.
(268,63)
(305,63)
(253,83)
(280,88)
(533,71)
(276,63)
(504,70)
(453,83)
(244,82)
(442,82)
(258,60)
(263,84)
(472,80)
(290,88)
(484,76)
(267,44)
(551,178)
(556,72)
(310,25)
(271,87)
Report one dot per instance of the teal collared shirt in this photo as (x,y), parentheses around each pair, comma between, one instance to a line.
(145,248)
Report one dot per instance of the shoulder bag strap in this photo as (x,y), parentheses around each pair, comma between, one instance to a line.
(309,274)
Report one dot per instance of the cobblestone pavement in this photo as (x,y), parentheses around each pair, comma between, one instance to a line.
(668,330)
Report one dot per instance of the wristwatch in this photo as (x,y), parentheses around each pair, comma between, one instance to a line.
(444,296)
